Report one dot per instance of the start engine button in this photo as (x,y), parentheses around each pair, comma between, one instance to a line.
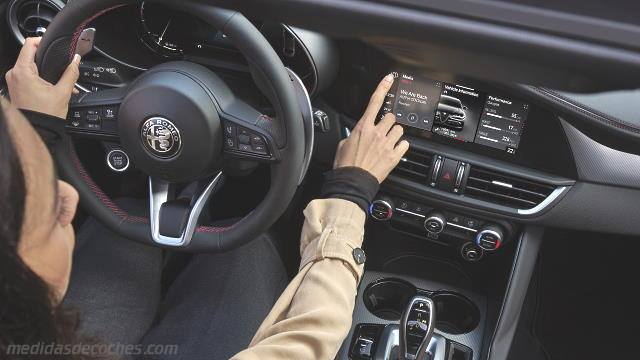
(118,160)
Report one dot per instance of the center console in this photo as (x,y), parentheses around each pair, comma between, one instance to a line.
(476,166)
(451,221)
(382,297)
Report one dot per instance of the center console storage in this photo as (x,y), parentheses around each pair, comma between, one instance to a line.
(387,298)
(456,314)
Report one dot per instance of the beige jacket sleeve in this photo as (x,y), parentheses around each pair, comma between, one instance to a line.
(312,317)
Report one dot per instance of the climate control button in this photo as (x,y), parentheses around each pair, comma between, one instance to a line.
(381,209)
(435,222)
(471,252)
(490,238)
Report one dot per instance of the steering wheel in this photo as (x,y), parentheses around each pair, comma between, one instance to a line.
(178,122)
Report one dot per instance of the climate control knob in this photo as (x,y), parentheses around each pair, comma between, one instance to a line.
(381,209)
(435,222)
(490,237)
(471,252)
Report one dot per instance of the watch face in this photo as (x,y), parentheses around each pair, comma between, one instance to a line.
(359,256)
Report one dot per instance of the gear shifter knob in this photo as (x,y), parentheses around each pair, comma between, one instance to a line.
(416,328)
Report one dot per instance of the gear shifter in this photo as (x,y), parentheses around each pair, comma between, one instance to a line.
(416,328)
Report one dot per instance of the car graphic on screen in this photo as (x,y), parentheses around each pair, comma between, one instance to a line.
(450,113)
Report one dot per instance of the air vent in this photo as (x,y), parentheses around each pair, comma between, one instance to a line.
(29,18)
(505,190)
(414,166)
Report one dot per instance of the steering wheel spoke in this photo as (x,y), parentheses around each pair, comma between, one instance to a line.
(173,217)
(95,114)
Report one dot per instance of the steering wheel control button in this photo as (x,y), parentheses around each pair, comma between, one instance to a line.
(110,112)
(230,136)
(161,137)
(471,252)
(76,115)
(92,115)
(359,256)
(381,209)
(489,238)
(244,140)
(435,223)
(229,129)
(94,118)
(257,139)
(118,160)
(92,126)
(258,148)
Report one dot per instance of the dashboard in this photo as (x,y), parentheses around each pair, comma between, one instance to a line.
(494,150)
(131,39)
(141,36)
(490,159)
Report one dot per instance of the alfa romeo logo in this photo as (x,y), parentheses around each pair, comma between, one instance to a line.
(161,137)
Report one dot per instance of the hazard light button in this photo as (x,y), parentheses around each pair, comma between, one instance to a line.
(447,177)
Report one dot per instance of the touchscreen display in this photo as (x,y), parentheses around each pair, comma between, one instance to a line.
(458,112)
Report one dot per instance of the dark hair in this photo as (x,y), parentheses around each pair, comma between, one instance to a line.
(28,315)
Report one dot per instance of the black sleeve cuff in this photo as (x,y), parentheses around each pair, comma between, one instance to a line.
(51,128)
(350,183)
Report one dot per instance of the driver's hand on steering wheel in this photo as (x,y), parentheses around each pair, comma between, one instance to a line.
(30,92)
(371,147)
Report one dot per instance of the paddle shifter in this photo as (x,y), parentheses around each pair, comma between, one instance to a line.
(416,329)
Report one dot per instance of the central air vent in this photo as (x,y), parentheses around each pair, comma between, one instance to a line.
(511,191)
(30,18)
(414,166)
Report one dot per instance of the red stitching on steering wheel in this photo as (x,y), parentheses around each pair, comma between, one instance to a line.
(106,200)
(80,28)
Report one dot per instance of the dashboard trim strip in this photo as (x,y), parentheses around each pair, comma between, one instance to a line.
(545,203)
(410,213)
(462,227)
